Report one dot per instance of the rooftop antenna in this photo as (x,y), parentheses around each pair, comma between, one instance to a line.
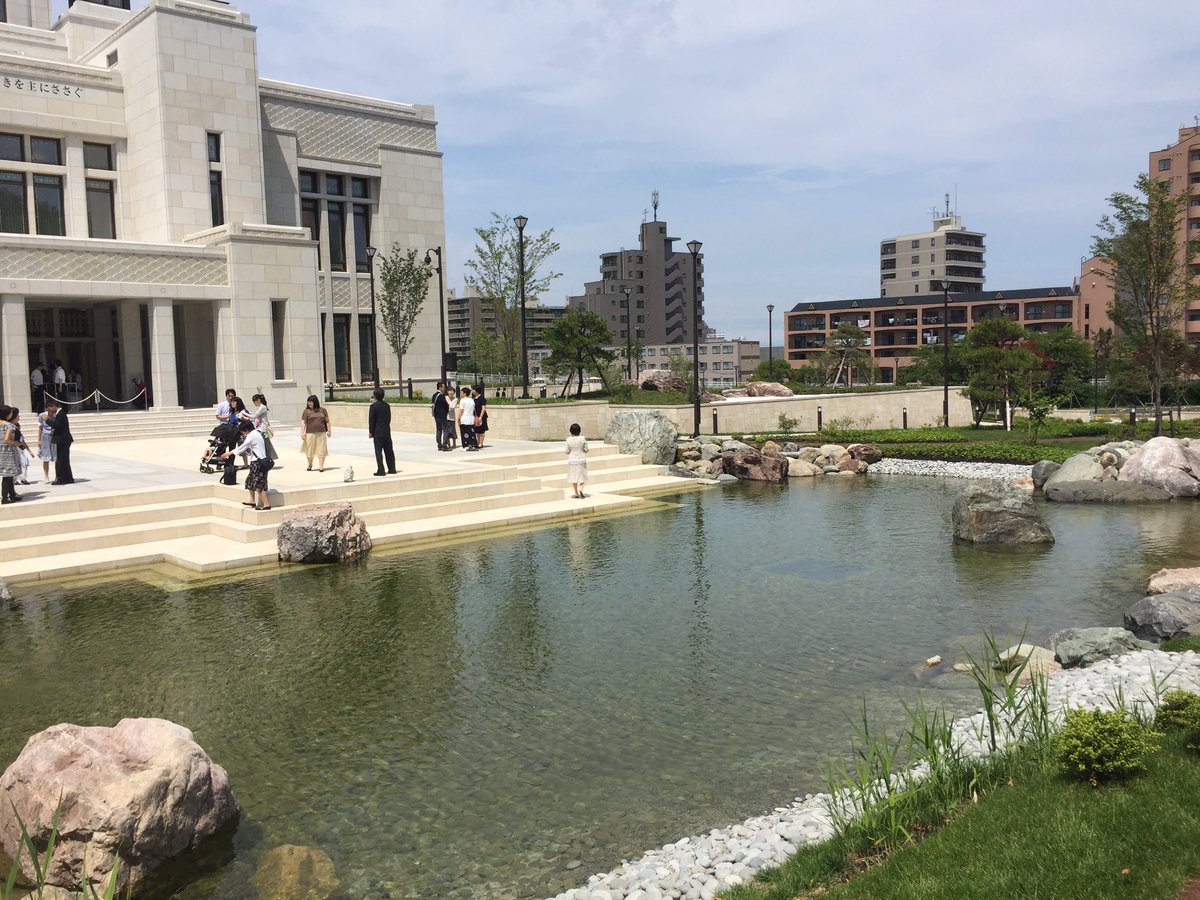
(654,203)
(933,212)
(645,215)
(948,204)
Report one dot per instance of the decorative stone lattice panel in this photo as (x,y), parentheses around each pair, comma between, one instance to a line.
(108,266)
(345,134)
(364,295)
(341,294)
(322,299)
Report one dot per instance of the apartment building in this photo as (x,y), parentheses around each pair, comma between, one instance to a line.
(649,293)
(168,214)
(724,362)
(469,313)
(1179,166)
(896,326)
(914,264)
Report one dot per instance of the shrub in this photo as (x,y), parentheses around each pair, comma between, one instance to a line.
(1179,710)
(787,424)
(982,451)
(1097,745)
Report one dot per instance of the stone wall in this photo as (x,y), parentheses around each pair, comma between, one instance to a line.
(550,421)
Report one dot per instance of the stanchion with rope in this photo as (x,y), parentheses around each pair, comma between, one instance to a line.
(96,396)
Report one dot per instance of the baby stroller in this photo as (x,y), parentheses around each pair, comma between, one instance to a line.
(221,439)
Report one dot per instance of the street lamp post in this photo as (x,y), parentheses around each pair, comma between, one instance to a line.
(771,342)
(628,334)
(371,251)
(441,308)
(694,249)
(945,353)
(521,222)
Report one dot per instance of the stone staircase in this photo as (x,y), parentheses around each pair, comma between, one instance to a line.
(204,527)
(138,423)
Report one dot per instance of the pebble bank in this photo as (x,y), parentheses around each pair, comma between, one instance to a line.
(1006,471)
(696,868)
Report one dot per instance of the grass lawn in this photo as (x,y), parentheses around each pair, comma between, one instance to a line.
(1043,836)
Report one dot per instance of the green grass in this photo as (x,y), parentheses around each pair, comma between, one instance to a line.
(1179,644)
(1041,836)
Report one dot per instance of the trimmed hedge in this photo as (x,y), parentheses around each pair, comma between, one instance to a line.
(982,451)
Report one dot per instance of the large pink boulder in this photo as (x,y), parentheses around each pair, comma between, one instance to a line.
(1173,465)
(140,794)
(663,380)
(768,389)
(321,533)
(750,465)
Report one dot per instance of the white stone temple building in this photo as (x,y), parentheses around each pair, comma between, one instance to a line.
(168,215)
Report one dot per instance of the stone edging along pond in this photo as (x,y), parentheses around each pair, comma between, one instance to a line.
(702,865)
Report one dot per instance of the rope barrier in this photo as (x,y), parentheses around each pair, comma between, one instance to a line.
(136,397)
(92,396)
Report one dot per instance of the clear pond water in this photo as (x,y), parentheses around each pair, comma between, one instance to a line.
(503,717)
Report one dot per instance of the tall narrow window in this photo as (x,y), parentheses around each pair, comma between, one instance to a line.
(100,210)
(365,324)
(310,218)
(48,204)
(337,237)
(12,203)
(362,235)
(278,321)
(214,147)
(98,156)
(215,198)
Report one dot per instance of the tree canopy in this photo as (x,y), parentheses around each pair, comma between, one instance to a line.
(1148,262)
(403,284)
(845,348)
(999,365)
(577,346)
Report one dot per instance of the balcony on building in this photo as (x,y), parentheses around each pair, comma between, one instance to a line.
(896,338)
(813,322)
(933,316)
(894,319)
(995,311)
(1062,309)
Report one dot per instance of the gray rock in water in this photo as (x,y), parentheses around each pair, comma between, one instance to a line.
(141,794)
(6,597)
(1080,467)
(1103,492)
(1041,471)
(1162,616)
(1173,465)
(998,514)
(326,532)
(644,432)
(1085,646)
(727,479)
(734,445)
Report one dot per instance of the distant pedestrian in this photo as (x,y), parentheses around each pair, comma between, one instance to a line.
(379,430)
(60,436)
(60,381)
(577,449)
(451,418)
(47,452)
(11,465)
(441,416)
(466,419)
(315,429)
(481,415)
(253,448)
(37,378)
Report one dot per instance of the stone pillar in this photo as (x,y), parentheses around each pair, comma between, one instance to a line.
(163,380)
(15,387)
(130,323)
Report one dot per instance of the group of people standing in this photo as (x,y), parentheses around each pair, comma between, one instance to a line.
(53,445)
(43,384)
(460,413)
(253,442)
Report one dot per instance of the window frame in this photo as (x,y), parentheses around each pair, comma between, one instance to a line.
(108,156)
(53,183)
(92,188)
(19,180)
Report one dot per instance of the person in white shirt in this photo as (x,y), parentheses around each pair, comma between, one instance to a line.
(38,380)
(577,449)
(252,446)
(466,419)
(60,381)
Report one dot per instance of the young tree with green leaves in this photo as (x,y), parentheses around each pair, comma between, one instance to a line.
(998,365)
(1149,267)
(846,348)
(403,284)
(495,271)
(774,370)
(577,346)
(1068,363)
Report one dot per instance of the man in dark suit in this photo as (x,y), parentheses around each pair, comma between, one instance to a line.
(379,427)
(60,437)
(441,416)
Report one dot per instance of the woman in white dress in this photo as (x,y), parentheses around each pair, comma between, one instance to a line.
(577,449)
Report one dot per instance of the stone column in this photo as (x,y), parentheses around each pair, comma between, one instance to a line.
(163,380)
(15,387)
(130,322)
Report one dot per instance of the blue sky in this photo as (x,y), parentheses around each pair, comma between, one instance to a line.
(790,137)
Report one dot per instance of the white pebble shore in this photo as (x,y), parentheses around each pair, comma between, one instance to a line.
(1005,471)
(696,868)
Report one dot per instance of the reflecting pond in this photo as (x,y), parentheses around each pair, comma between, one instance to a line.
(502,717)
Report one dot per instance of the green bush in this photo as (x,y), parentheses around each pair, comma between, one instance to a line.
(1181,643)
(1098,745)
(1179,710)
(981,451)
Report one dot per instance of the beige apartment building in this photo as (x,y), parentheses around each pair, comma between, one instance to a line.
(648,293)
(167,214)
(896,326)
(914,264)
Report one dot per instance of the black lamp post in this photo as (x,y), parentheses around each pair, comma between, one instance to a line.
(371,251)
(694,249)
(770,342)
(628,334)
(521,222)
(945,353)
(441,308)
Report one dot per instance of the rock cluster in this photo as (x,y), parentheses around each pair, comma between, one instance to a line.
(324,532)
(775,462)
(1160,469)
(141,793)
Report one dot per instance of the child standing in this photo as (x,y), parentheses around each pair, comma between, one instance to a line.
(577,449)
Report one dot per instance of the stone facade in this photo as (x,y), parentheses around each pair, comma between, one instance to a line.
(169,215)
